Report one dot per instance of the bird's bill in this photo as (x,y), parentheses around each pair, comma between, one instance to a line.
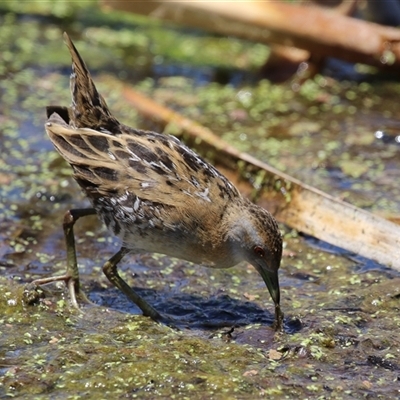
(272,281)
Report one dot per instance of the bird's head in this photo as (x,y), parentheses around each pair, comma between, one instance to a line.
(257,240)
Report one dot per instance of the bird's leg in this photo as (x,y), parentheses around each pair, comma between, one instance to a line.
(110,270)
(71,277)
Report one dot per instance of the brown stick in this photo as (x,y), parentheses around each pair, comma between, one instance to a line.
(298,205)
(321,31)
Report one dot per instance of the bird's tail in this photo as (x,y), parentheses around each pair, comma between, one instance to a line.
(89,109)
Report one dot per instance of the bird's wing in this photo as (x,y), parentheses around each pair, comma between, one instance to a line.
(154,167)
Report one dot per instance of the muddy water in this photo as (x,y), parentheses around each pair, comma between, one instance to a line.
(341,328)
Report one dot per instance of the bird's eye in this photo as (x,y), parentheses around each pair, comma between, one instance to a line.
(259,251)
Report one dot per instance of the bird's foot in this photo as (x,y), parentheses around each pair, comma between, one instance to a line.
(33,291)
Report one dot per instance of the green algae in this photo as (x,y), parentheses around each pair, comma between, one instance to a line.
(346,344)
(105,353)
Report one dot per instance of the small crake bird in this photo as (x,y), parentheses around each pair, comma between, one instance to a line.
(155,194)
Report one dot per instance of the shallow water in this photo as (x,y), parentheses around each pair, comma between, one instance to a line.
(341,311)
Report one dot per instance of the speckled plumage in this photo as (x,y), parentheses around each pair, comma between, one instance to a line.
(155,193)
